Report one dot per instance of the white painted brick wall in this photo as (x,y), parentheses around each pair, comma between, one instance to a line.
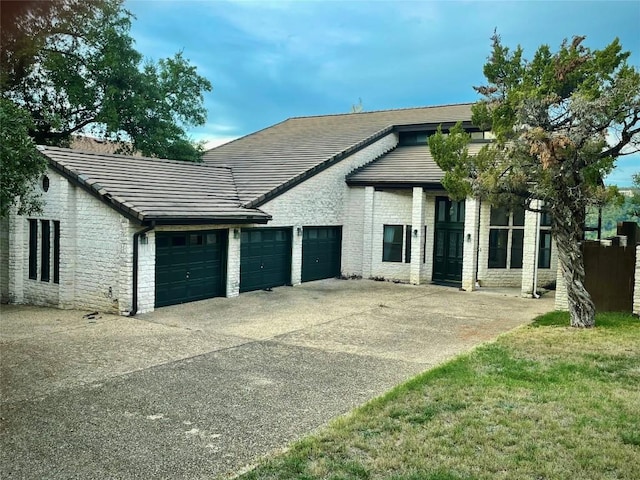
(324,200)
(562,301)
(417,240)
(392,207)
(353,236)
(233,264)
(90,252)
(4,260)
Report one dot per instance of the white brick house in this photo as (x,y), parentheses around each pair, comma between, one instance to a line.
(313,197)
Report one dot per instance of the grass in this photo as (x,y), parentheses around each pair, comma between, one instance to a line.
(542,402)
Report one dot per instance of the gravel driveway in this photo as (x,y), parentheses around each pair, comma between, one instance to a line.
(205,389)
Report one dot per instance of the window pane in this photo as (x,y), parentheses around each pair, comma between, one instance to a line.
(545,219)
(518,217)
(407,250)
(45,253)
(498,248)
(33,249)
(499,216)
(56,251)
(179,241)
(517,241)
(544,253)
(392,243)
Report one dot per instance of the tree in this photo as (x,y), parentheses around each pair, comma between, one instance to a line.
(72,65)
(22,165)
(560,121)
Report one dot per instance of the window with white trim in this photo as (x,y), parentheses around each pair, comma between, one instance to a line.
(506,238)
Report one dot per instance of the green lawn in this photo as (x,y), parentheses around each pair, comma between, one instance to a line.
(543,402)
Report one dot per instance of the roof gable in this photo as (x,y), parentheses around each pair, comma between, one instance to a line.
(148,189)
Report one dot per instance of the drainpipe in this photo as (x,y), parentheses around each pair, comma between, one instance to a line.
(134,297)
(536,253)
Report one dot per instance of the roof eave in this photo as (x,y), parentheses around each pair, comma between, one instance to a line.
(395,184)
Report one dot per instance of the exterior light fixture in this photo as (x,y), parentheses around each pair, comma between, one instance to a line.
(299,231)
(236,233)
(415,232)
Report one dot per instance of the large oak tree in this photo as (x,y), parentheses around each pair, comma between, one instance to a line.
(560,120)
(73,66)
(70,67)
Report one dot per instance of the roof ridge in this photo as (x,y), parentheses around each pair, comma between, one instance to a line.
(44,148)
(246,136)
(382,111)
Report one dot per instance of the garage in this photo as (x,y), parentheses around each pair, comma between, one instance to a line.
(265,258)
(190,266)
(321,252)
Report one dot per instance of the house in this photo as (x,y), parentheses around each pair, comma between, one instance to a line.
(309,198)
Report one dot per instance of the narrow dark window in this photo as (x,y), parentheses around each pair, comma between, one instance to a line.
(33,249)
(517,244)
(56,251)
(498,248)
(407,241)
(392,243)
(544,251)
(45,253)
(424,246)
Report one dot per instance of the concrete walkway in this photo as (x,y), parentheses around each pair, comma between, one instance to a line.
(204,389)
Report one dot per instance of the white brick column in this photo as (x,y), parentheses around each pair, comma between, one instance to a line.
(470,249)
(636,286)
(417,241)
(233,263)
(17,255)
(296,255)
(367,238)
(530,251)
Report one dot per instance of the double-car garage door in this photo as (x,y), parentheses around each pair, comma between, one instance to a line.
(191,265)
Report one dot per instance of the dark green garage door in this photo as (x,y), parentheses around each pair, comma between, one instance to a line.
(321,252)
(190,266)
(265,258)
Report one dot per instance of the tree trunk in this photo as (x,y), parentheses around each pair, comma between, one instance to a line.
(568,235)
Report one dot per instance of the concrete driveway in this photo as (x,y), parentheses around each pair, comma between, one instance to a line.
(204,389)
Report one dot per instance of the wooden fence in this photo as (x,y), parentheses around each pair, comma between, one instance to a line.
(609,275)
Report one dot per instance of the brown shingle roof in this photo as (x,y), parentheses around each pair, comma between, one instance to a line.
(271,160)
(149,189)
(402,167)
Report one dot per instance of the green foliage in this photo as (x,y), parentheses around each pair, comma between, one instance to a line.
(560,121)
(21,162)
(79,72)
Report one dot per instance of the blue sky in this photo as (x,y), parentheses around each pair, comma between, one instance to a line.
(271,60)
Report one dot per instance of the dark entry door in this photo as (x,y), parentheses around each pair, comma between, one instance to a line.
(190,266)
(265,258)
(449,241)
(321,252)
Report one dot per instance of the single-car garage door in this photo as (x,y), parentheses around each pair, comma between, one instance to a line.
(265,258)
(190,266)
(321,252)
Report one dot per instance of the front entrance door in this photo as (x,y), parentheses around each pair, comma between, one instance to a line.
(449,238)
